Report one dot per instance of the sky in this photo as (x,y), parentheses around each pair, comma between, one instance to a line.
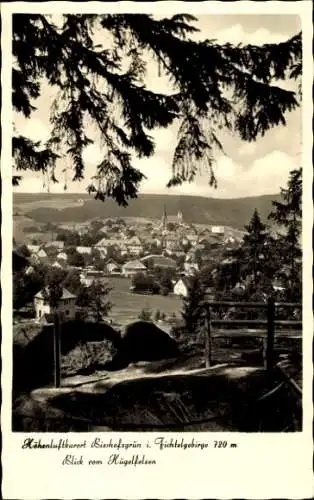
(246,169)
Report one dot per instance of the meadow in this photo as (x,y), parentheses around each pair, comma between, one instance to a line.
(127,306)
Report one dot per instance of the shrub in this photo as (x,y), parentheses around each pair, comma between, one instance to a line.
(157,315)
(145,314)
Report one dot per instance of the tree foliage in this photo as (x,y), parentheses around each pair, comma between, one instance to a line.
(255,253)
(192,305)
(214,86)
(97,302)
(287,214)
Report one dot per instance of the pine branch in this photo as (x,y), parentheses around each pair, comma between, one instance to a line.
(219,86)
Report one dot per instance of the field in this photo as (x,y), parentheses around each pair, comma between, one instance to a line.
(127,306)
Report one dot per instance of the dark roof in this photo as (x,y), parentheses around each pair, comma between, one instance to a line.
(65,294)
(159,260)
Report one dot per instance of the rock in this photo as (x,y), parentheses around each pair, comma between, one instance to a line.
(143,341)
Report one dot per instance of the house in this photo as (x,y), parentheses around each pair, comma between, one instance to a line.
(181,288)
(133,267)
(134,245)
(33,249)
(88,276)
(159,261)
(218,229)
(59,245)
(84,250)
(62,256)
(42,255)
(112,267)
(57,265)
(29,270)
(66,305)
(103,252)
(110,242)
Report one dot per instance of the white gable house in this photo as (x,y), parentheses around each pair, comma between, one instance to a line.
(181,288)
(66,305)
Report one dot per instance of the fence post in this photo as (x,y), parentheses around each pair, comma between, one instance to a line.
(269,348)
(208,347)
(56,350)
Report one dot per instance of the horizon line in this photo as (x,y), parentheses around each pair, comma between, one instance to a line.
(85,194)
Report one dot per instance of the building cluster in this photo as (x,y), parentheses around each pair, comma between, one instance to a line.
(158,245)
(170,239)
(127,250)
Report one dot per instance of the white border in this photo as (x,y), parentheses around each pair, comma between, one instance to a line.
(263,466)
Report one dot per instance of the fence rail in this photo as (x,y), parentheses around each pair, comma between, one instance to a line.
(263,305)
(268,325)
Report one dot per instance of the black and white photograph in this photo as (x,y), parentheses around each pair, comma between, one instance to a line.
(156,270)
(157,223)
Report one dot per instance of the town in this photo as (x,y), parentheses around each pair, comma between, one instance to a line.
(156,257)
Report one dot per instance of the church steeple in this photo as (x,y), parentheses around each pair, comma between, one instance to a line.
(164,219)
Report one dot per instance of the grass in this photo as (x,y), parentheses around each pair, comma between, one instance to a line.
(127,306)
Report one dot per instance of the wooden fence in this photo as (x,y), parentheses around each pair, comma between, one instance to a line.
(267,325)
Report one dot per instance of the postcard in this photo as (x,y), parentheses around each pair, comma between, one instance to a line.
(156,250)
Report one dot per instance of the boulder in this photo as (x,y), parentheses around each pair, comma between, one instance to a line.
(84,345)
(143,341)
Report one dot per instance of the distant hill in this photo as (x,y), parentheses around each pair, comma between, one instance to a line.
(195,209)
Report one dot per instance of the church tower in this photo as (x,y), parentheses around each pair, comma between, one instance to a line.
(164,220)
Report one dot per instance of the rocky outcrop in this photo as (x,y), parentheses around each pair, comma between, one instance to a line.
(143,341)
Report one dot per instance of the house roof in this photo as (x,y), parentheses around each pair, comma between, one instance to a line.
(217,229)
(33,248)
(185,280)
(81,250)
(57,244)
(42,253)
(159,260)
(191,265)
(62,255)
(134,264)
(65,294)
(105,242)
(133,241)
(112,265)
(57,264)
